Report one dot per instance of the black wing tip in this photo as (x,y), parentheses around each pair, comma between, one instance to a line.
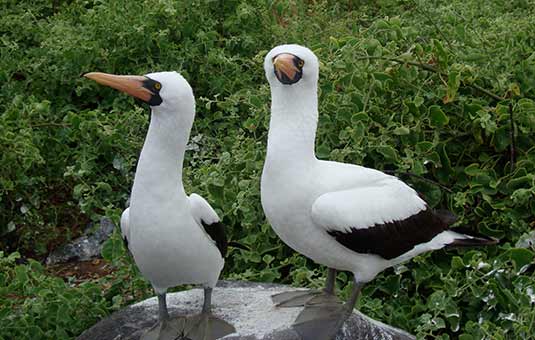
(238,245)
(216,231)
(472,242)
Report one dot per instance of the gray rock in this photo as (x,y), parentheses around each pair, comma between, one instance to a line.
(85,247)
(246,305)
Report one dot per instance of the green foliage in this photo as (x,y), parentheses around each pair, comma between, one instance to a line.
(36,305)
(404,87)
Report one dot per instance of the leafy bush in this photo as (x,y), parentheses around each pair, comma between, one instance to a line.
(35,305)
(427,90)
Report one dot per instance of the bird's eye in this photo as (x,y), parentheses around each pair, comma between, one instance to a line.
(157,86)
(301,63)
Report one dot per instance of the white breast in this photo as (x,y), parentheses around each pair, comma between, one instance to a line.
(170,249)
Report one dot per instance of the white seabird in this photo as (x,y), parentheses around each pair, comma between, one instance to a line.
(175,239)
(344,216)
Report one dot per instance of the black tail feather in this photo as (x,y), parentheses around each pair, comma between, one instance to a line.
(476,239)
(238,245)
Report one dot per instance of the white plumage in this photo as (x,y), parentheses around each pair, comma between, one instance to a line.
(164,235)
(319,208)
(163,227)
(364,206)
(202,211)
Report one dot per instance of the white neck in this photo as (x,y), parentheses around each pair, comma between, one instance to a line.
(159,170)
(292,128)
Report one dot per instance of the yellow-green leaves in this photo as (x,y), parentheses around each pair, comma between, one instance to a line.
(440,53)
(454,80)
(401,131)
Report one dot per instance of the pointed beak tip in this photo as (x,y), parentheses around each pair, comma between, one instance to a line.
(90,75)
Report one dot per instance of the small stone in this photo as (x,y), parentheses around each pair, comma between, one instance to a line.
(83,248)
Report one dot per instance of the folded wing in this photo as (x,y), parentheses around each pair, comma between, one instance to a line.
(385,217)
(125,218)
(207,219)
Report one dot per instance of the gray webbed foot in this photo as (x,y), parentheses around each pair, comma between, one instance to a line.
(321,318)
(207,327)
(324,315)
(170,329)
(197,327)
(300,298)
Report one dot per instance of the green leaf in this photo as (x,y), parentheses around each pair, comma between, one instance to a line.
(103,186)
(382,24)
(473,170)
(444,158)
(466,337)
(433,195)
(437,117)
(388,152)
(113,248)
(521,256)
(424,147)
(440,52)
(457,263)
(361,116)
(418,101)
(323,151)
(437,300)
(401,131)
(267,258)
(501,138)
(454,80)
(217,191)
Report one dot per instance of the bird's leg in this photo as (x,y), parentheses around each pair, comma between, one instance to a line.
(206,326)
(207,305)
(166,328)
(162,307)
(331,281)
(350,304)
(323,321)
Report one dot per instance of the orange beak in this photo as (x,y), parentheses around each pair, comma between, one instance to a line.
(284,63)
(132,85)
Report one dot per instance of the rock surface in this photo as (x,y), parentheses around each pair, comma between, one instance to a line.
(85,247)
(246,305)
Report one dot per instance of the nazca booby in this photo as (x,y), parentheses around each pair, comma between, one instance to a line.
(344,216)
(174,239)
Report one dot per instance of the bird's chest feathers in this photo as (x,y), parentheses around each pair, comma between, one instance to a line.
(154,214)
(156,204)
(287,198)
